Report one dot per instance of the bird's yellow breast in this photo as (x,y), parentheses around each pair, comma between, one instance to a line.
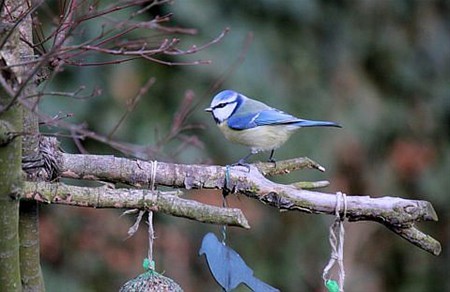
(262,138)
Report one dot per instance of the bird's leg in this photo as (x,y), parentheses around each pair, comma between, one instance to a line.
(271,156)
(243,161)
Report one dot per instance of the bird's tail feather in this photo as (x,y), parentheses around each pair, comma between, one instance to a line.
(257,285)
(309,123)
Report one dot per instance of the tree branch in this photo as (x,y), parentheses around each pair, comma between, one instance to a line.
(398,214)
(105,197)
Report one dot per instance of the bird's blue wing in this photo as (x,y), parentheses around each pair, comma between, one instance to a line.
(262,118)
(242,122)
(274,117)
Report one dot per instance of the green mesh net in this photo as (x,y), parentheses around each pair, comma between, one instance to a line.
(151,281)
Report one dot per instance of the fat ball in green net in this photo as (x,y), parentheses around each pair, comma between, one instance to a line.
(151,281)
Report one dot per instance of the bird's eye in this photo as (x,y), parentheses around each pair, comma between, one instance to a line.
(220,105)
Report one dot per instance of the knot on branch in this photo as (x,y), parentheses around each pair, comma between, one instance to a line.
(45,163)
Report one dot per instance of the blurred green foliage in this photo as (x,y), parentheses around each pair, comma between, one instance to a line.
(379,68)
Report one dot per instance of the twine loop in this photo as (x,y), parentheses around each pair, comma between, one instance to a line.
(154,165)
(225,193)
(336,239)
(151,231)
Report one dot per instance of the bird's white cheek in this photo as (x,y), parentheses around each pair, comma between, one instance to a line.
(224,113)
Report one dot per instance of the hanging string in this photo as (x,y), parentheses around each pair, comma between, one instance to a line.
(151,231)
(225,192)
(336,239)
(154,165)
(133,229)
(224,227)
(151,236)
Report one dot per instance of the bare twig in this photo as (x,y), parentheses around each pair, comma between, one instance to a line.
(75,94)
(66,24)
(179,121)
(287,166)
(132,105)
(16,21)
(105,197)
(129,50)
(239,60)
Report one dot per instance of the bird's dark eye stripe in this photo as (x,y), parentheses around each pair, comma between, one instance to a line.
(220,105)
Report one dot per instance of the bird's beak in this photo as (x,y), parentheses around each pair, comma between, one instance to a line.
(208,109)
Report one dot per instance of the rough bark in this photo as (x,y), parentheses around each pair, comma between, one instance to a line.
(30,268)
(10,158)
(157,201)
(398,214)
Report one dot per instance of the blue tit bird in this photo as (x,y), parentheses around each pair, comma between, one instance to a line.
(254,124)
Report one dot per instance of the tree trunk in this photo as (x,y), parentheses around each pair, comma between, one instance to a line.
(19,264)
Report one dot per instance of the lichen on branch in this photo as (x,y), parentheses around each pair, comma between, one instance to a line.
(144,199)
(397,214)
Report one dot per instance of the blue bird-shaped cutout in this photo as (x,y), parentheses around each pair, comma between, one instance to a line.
(228,268)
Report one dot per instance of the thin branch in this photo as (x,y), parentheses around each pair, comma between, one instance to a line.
(66,24)
(194,49)
(239,60)
(11,26)
(418,238)
(31,75)
(75,94)
(132,105)
(287,166)
(113,8)
(166,47)
(145,152)
(105,197)
(103,63)
(179,120)
(168,63)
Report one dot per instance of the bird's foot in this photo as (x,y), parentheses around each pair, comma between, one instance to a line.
(271,160)
(242,162)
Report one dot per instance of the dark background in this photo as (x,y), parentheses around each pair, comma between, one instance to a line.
(379,68)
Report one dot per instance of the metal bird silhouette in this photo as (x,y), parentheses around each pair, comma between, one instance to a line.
(228,268)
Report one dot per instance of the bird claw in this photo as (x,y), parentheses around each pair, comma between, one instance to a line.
(271,157)
(271,160)
(242,162)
